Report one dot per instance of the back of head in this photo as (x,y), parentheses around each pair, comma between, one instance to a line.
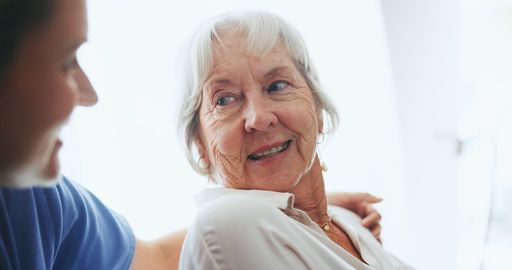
(261,32)
(18,17)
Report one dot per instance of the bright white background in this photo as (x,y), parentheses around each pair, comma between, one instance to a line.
(392,68)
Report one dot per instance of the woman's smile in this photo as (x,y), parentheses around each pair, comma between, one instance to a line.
(270,155)
(270,150)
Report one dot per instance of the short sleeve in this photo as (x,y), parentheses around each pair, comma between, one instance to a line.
(61,227)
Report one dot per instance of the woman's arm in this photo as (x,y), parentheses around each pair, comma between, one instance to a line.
(163,253)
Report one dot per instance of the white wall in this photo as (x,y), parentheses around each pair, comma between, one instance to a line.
(423,42)
(485,181)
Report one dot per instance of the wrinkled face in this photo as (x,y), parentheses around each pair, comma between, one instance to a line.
(42,86)
(258,120)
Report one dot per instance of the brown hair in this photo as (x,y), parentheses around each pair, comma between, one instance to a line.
(17,17)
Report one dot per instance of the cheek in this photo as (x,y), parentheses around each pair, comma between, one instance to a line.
(37,98)
(49,94)
(224,143)
(301,118)
(59,108)
(46,98)
(65,96)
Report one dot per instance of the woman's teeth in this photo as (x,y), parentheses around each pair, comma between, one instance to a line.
(272,151)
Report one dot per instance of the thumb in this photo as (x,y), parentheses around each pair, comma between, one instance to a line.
(370,198)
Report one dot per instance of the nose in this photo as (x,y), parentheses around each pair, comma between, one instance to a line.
(87,94)
(259,115)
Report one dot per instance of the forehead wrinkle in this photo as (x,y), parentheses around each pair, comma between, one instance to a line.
(243,74)
(276,64)
(223,62)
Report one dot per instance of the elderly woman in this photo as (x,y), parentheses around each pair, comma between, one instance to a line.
(253,113)
(61,225)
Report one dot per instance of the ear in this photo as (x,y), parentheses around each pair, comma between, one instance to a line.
(320,121)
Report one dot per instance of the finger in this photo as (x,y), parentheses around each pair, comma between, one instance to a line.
(368,209)
(376,231)
(372,219)
(364,209)
(339,198)
(370,198)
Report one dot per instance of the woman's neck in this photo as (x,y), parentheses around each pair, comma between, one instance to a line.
(310,194)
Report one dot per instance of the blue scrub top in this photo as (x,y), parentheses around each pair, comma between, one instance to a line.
(61,227)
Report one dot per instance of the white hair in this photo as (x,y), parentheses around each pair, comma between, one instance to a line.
(262,31)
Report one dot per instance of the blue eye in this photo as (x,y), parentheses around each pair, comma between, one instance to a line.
(278,85)
(223,101)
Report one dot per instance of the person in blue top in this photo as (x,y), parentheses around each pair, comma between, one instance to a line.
(48,221)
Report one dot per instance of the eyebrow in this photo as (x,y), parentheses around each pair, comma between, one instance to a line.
(209,86)
(275,70)
(272,72)
(221,81)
